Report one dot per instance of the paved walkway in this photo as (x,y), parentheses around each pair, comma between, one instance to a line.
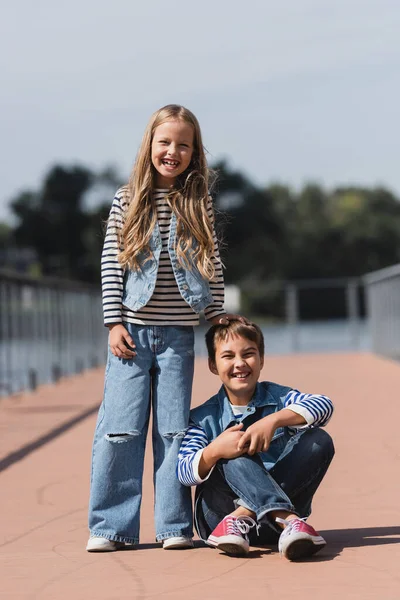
(45,441)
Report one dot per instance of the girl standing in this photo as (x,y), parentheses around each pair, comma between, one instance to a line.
(160,268)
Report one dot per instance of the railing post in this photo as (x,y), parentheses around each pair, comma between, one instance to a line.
(292,314)
(383,293)
(352,312)
(32,380)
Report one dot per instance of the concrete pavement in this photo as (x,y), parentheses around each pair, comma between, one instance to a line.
(45,443)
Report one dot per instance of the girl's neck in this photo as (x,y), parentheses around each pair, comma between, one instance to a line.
(163,183)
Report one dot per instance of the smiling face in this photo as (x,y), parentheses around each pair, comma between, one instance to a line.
(171,150)
(238,364)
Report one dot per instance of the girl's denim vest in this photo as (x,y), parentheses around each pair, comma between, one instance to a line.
(139,285)
(216,415)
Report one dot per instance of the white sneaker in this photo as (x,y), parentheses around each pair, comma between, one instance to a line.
(175,543)
(100,544)
(298,540)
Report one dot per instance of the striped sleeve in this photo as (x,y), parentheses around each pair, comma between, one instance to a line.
(217,282)
(112,273)
(316,409)
(190,452)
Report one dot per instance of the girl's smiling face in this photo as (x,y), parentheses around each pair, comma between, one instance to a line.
(171,151)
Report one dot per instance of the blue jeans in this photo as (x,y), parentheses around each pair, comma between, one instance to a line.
(290,485)
(159,377)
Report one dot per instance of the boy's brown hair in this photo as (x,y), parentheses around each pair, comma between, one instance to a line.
(219,333)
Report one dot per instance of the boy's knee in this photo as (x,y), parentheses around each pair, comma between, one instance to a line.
(244,463)
(322,443)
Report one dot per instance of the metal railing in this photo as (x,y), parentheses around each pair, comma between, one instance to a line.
(310,314)
(350,287)
(51,328)
(48,328)
(383,302)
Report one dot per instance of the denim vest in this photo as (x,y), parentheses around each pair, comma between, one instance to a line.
(216,415)
(139,285)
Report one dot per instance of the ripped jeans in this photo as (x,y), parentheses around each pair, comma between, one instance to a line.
(159,377)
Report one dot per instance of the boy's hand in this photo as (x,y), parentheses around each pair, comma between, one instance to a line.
(258,436)
(226,445)
(119,341)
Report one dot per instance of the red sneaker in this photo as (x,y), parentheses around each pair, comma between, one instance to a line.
(298,540)
(230,535)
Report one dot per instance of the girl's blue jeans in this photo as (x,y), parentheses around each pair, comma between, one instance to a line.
(160,378)
(290,485)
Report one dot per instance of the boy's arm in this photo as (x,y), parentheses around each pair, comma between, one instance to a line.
(315,408)
(198,456)
(258,436)
(300,410)
(224,446)
(189,455)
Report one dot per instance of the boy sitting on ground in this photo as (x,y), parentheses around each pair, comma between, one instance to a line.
(255,451)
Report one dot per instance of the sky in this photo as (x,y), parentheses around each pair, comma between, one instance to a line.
(291,91)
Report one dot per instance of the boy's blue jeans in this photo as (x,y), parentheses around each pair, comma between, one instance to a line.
(159,377)
(290,485)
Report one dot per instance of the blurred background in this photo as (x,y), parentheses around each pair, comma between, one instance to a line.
(298,104)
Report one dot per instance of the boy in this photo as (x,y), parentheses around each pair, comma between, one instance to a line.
(255,451)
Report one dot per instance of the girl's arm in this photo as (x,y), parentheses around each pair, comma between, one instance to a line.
(112,282)
(112,273)
(216,309)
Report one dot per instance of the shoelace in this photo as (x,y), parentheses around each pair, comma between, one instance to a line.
(244,524)
(291,524)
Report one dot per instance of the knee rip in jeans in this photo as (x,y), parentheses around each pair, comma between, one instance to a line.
(120,438)
(175,435)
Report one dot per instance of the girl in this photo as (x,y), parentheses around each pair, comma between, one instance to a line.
(160,268)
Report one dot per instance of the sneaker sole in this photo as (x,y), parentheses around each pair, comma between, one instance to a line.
(229,544)
(178,547)
(302,549)
(233,549)
(118,546)
(101,549)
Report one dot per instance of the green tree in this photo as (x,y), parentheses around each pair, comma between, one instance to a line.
(252,228)
(368,225)
(5,234)
(53,222)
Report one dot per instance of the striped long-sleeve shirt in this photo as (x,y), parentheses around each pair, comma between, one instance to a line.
(316,410)
(166,306)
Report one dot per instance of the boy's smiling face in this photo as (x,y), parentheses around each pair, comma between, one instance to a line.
(238,364)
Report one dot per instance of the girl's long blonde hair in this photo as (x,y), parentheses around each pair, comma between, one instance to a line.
(188,200)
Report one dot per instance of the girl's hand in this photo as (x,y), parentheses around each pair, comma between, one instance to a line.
(119,341)
(224,319)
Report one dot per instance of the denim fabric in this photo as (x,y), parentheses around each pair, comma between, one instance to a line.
(216,415)
(290,485)
(159,377)
(139,285)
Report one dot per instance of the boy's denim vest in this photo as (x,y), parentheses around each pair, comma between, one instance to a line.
(139,285)
(216,415)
